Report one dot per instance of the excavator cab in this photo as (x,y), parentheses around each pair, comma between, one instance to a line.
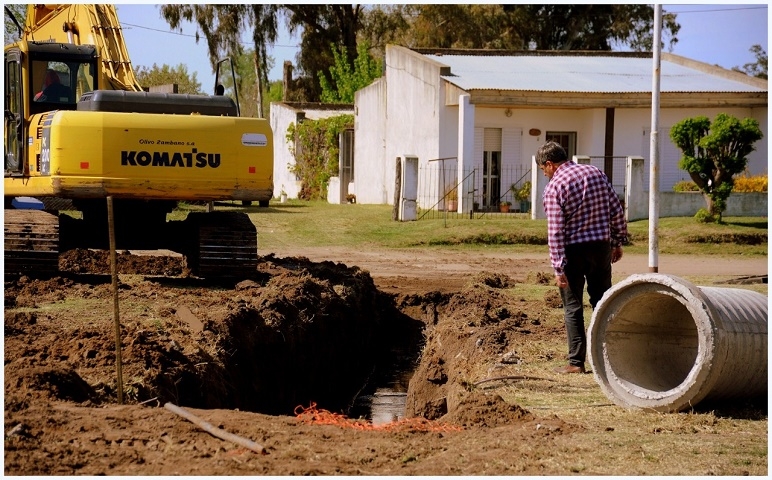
(57,81)
(41,77)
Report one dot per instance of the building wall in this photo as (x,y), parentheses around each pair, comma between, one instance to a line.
(632,137)
(282,115)
(413,111)
(523,120)
(758,161)
(674,204)
(410,118)
(371,170)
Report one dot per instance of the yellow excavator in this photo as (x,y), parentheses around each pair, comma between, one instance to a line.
(79,127)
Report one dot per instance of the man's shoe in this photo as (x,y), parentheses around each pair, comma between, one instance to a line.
(570,369)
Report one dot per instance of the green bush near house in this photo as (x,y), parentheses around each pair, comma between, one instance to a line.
(314,143)
(686,186)
(742,184)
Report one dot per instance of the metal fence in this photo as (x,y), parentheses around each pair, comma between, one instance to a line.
(490,188)
(493,191)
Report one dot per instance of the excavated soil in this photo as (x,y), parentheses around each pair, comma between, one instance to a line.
(246,357)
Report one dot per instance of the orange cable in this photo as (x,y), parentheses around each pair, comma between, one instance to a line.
(314,416)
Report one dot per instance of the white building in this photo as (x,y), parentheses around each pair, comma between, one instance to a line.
(487,112)
(283,114)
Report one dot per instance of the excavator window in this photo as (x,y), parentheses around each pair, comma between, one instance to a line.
(13,124)
(60,82)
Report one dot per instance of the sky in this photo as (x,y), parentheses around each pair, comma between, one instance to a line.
(718,34)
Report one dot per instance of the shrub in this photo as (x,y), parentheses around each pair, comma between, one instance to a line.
(756,184)
(686,186)
(704,216)
(315,146)
(522,193)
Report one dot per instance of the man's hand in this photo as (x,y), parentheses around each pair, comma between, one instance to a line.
(616,254)
(561,280)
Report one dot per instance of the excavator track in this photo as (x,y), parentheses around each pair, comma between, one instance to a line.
(224,245)
(31,242)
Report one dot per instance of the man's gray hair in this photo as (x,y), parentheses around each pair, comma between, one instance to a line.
(550,152)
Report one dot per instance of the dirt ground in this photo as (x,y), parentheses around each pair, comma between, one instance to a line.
(309,328)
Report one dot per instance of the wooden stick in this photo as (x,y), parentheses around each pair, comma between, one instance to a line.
(116,310)
(217,432)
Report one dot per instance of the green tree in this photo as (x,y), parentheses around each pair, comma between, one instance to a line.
(247,84)
(348,80)
(511,27)
(714,152)
(520,26)
(275,91)
(592,26)
(222,25)
(758,68)
(19,11)
(322,26)
(164,75)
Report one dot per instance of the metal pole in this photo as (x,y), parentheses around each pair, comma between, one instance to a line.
(444,200)
(116,314)
(471,190)
(654,149)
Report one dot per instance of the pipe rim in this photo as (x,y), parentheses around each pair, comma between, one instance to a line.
(623,392)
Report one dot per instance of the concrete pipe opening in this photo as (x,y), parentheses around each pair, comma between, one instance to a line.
(659,342)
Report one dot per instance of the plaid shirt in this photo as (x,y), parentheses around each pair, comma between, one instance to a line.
(581,206)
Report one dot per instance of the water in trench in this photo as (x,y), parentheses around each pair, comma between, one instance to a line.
(382,400)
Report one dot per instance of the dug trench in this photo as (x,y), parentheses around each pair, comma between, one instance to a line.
(302,331)
(299,333)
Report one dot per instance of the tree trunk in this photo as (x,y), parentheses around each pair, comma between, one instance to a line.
(259,78)
(710,207)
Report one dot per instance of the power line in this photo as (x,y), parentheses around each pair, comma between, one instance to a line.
(194,36)
(764,7)
(159,30)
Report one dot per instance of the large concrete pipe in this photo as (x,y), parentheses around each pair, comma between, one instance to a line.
(659,342)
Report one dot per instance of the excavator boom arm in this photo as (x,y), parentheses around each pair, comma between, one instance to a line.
(86,24)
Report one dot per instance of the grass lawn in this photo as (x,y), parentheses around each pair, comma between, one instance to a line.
(300,223)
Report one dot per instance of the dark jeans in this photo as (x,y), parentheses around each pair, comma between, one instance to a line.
(584,261)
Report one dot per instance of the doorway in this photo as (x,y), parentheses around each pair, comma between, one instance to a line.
(491,187)
(567,140)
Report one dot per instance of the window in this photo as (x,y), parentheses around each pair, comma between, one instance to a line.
(566,139)
(13,124)
(61,82)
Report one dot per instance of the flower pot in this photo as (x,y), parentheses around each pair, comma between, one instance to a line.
(504,208)
(283,198)
(451,205)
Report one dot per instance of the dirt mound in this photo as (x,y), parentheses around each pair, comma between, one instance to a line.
(98,261)
(61,383)
(486,410)
(479,326)
(298,332)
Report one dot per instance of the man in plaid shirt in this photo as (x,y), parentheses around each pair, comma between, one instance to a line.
(585,230)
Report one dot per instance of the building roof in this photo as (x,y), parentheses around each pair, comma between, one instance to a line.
(586,72)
